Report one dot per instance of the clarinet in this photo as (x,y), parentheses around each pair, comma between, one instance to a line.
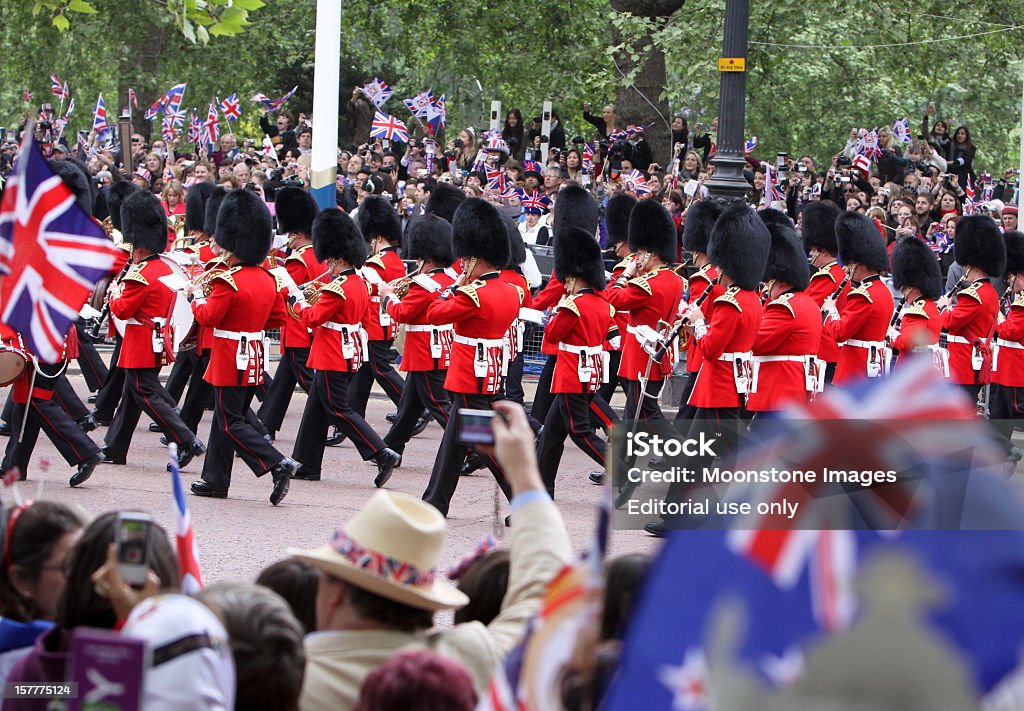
(94,334)
(835,294)
(944,334)
(677,329)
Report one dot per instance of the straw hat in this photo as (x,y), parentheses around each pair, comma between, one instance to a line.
(391,548)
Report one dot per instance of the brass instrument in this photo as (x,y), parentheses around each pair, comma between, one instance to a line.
(402,285)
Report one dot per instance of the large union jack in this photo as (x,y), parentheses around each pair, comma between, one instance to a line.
(52,254)
(231,107)
(388,127)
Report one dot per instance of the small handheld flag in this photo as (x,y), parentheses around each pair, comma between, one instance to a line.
(388,127)
(231,107)
(377,92)
(188,559)
(274,104)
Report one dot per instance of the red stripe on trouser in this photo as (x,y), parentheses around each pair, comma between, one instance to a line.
(430,391)
(150,411)
(572,429)
(227,431)
(600,414)
(340,416)
(71,444)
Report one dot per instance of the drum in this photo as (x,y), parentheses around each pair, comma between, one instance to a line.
(13,362)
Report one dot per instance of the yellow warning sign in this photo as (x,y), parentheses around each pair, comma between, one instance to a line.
(732,64)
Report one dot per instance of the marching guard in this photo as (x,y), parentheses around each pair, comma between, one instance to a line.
(1006,399)
(917,275)
(818,230)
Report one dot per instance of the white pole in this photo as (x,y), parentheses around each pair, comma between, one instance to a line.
(545,129)
(324,163)
(1020,175)
(495,124)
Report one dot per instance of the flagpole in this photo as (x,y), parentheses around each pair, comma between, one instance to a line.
(324,163)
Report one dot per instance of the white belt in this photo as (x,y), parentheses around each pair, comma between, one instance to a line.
(427,328)
(732,356)
(584,350)
(1000,343)
(375,299)
(957,339)
(238,335)
(485,342)
(335,326)
(863,344)
(805,360)
(780,359)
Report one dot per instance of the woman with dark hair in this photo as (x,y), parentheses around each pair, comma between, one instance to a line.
(961,156)
(514,134)
(938,134)
(294,581)
(573,164)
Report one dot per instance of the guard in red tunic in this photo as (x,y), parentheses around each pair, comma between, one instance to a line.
(739,248)
(616,223)
(243,302)
(979,248)
(512,272)
(650,292)
(338,350)
(818,230)
(787,341)
(427,346)
(916,273)
(196,223)
(145,304)
(861,326)
(296,209)
(1006,396)
(480,310)
(700,219)
(578,328)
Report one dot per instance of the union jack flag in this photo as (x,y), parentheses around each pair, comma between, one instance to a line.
(867,146)
(211,127)
(496,179)
(59,88)
(901,130)
(188,558)
(156,108)
(195,128)
(420,104)
(970,205)
(436,116)
(99,119)
(536,203)
(274,104)
(388,127)
(588,158)
(750,145)
(231,107)
(377,92)
(52,254)
(71,107)
(771,190)
(634,181)
(167,130)
(619,135)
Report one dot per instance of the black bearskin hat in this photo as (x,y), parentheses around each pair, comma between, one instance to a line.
(860,242)
(430,238)
(700,220)
(119,192)
(195,206)
(739,245)
(651,227)
(478,230)
(444,200)
(978,243)
(616,218)
(574,207)
(337,236)
(786,261)
(914,265)
(577,254)
(377,218)
(143,222)
(818,226)
(1014,251)
(516,245)
(296,209)
(213,203)
(76,177)
(244,227)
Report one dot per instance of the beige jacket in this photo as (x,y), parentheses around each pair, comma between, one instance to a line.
(337,662)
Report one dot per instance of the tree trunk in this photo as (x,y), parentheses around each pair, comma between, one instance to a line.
(139,65)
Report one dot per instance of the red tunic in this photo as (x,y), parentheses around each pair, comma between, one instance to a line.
(203,250)
(481,313)
(650,299)
(334,318)
(303,267)
(700,282)
(1008,360)
(427,347)
(549,295)
(790,329)
(732,329)
(244,301)
(823,285)
(580,322)
(970,320)
(919,327)
(381,268)
(865,320)
(144,298)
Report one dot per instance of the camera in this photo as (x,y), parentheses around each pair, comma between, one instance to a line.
(458,143)
(923,166)
(843,160)
(475,426)
(250,186)
(578,140)
(133,547)
(544,139)
(801,168)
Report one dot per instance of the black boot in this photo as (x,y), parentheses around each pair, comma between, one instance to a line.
(85,469)
(387,460)
(189,452)
(282,474)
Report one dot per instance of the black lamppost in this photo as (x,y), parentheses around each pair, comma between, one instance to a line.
(728,183)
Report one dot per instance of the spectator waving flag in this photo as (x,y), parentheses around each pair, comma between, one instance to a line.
(750,145)
(377,92)
(388,127)
(99,119)
(211,127)
(231,107)
(59,88)
(420,104)
(970,204)
(188,559)
(274,104)
(195,128)
(52,254)
(588,158)
(901,130)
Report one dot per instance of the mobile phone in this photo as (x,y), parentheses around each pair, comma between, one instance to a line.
(133,546)
(12,135)
(474,427)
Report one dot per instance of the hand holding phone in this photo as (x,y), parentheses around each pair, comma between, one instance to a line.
(132,537)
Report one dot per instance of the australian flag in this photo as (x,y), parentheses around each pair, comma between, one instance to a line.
(52,254)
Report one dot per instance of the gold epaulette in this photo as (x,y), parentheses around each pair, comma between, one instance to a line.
(569,302)
(784,301)
(621,265)
(729,297)
(1018,300)
(611,311)
(296,255)
(916,309)
(336,286)
(135,274)
(642,282)
(227,277)
(470,291)
(971,291)
(702,273)
(862,290)
(195,247)
(376,261)
(217,262)
(827,272)
(522,293)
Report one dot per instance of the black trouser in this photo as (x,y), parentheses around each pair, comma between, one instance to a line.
(200,394)
(543,398)
(648,409)
(1005,405)
(94,370)
(110,393)
(181,371)
(73,444)
(686,411)
(444,479)
(721,423)
(291,369)
(144,393)
(607,390)
(232,432)
(377,366)
(68,399)
(424,389)
(329,403)
(569,416)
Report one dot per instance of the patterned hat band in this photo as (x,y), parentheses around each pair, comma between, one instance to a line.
(388,568)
